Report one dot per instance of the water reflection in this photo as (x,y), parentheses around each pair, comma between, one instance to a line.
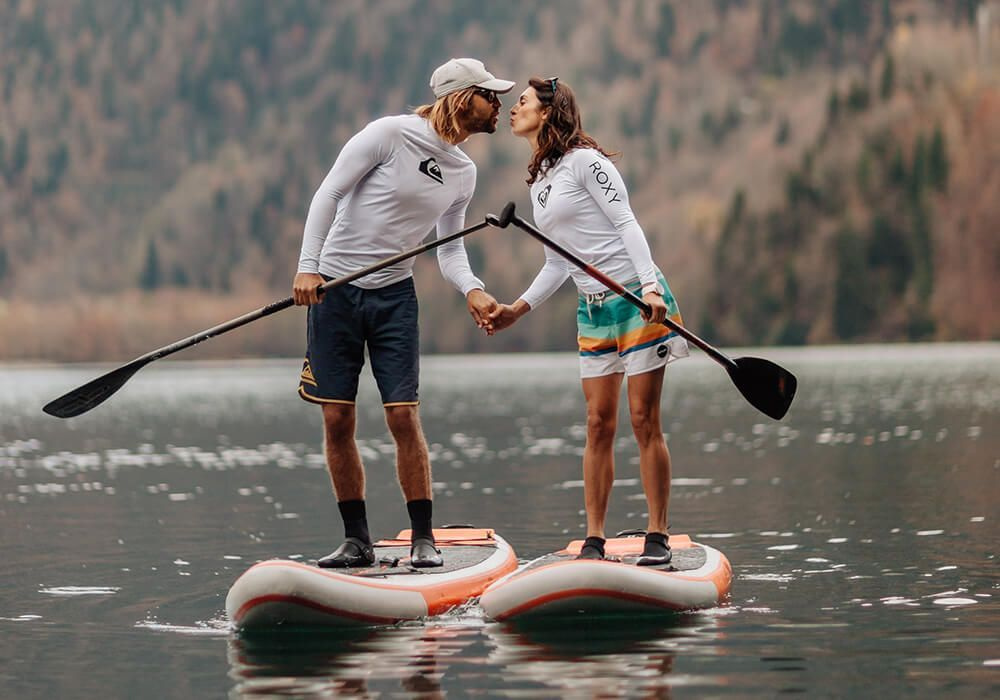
(603,657)
(361,663)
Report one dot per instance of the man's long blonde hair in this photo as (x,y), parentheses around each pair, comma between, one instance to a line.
(446,112)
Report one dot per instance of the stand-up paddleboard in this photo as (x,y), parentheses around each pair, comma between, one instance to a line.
(281,592)
(559,584)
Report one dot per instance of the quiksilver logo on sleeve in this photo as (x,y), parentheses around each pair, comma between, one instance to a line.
(431,169)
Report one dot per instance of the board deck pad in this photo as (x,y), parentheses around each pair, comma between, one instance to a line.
(393,560)
(685,559)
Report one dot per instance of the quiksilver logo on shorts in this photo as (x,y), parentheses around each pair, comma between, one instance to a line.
(543,196)
(663,350)
(431,169)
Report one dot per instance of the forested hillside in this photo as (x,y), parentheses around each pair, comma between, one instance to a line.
(805,172)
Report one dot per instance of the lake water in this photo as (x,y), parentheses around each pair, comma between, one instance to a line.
(862,530)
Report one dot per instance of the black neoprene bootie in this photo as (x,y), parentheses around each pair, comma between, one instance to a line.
(655,551)
(354,552)
(593,548)
(423,553)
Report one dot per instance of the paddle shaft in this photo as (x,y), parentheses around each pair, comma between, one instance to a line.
(96,391)
(282,304)
(617,288)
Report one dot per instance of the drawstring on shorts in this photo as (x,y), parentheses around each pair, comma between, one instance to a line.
(596,299)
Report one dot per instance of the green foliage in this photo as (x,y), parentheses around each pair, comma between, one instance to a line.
(4,262)
(923,247)
(793,332)
(854,309)
(58,161)
(19,158)
(783,132)
(109,96)
(801,191)
(863,171)
(890,248)
(149,277)
(32,35)
(665,30)
(833,107)
(730,227)
(801,41)
(698,44)
(675,137)
(791,293)
(920,325)
(716,129)
(850,17)
(81,69)
(918,171)
(888,83)
(937,162)
(897,174)
(858,97)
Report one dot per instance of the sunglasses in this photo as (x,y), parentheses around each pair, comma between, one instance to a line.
(488,95)
(553,83)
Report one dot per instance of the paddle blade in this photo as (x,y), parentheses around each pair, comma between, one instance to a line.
(768,387)
(93,393)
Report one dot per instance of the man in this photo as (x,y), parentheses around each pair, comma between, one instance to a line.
(392,182)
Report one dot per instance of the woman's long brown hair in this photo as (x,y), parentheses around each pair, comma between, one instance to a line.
(562,131)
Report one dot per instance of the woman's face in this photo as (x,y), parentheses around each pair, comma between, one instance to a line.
(527,115)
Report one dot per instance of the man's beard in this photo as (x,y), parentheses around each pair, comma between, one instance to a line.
(485,125)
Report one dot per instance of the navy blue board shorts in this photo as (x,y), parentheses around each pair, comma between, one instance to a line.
(345,320)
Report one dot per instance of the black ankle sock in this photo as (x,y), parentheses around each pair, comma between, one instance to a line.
(655,544)
(420,511)
(595,542)
(355,520)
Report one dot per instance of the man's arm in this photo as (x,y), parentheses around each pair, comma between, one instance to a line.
(360,154)
(454,263)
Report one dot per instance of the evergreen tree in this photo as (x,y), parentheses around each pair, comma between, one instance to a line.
(665,30)
(897,168)
(149,278)
(937,161)
(888,83)
(833,107)
(853,303)
(21,153)
(918,173)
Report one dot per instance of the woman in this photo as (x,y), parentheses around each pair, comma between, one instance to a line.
(579,199)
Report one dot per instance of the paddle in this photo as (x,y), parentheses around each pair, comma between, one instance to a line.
(767,386)
(96,391)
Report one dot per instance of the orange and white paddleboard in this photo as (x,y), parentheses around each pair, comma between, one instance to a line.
(282,592)
(698,576)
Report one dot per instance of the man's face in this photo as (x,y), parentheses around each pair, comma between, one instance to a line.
(483,112)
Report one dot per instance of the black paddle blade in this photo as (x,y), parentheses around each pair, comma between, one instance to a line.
(93,393)
(768,387)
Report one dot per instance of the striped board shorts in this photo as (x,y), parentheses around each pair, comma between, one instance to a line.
(614,338)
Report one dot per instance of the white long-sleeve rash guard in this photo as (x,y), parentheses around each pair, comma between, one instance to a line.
(581,202)
(392,182)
